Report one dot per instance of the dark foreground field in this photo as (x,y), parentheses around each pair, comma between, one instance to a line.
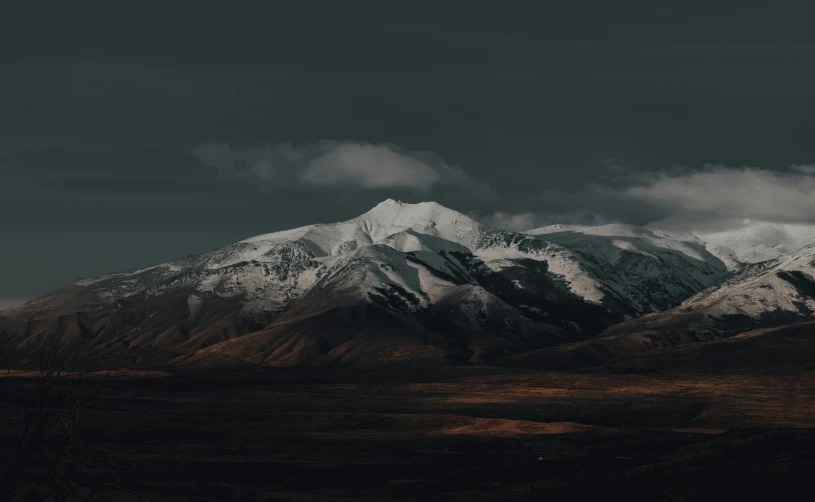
(452,434)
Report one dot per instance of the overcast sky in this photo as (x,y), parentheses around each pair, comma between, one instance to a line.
(129,137)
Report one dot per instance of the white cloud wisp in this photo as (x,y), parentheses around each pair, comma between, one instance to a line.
(332,164)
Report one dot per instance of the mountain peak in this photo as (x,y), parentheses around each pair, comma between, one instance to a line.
(389,202)
(423,264)
(404,213)
(391,216)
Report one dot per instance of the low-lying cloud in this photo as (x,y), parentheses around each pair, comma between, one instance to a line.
(712,197)
(720,194)
(333,164)
(521,222)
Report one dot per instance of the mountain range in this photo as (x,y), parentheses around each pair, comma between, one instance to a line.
(421,284)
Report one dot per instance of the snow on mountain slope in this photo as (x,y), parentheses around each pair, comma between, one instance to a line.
(268,271)
(778,285)
(755,242)
(384,220)
(771,283)
(440,279)
(771,271)
(648,268)
(408,260)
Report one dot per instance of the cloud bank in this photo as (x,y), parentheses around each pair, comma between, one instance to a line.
(333,164)
(520,222)
(712,198)
(719,194)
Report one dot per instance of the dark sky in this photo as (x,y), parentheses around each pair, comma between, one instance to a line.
(511,110)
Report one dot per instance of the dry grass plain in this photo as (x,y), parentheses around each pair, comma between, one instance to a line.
(469,433)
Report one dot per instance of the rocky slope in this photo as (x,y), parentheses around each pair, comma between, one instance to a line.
(771,283)
(402,283)
(650,268)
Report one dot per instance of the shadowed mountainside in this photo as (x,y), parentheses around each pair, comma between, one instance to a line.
(400,284)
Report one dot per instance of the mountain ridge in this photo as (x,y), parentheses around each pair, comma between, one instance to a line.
(416,283)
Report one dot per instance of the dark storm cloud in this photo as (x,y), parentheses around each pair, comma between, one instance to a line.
(102,105)
(91,102)
(116,186)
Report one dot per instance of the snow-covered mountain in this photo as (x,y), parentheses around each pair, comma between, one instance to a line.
(772,269)
(756,242)
(770,283)
(771,273)
(401,283)
(650,268)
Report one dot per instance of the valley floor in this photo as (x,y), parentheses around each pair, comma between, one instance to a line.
(448,434)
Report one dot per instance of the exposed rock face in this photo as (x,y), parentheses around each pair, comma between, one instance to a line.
(407,284)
